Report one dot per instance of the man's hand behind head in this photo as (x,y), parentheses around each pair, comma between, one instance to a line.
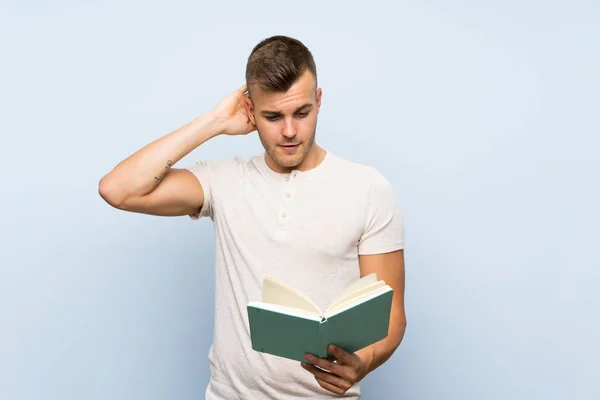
(231,114)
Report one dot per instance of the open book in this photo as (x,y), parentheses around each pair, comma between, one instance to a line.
(288,324)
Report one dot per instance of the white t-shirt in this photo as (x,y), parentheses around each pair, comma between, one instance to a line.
(305,228)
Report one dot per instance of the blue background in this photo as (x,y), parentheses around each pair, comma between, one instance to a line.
(483,115)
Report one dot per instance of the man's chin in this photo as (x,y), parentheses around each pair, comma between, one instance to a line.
(288,160)
(288,163)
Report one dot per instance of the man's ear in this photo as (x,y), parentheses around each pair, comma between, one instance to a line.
(249,110)
(319,94)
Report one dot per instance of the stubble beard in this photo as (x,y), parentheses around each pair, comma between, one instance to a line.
(294,162)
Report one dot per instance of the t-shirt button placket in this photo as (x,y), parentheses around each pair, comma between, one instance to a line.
(287,194)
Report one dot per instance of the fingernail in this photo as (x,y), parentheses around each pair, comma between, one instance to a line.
(310,357)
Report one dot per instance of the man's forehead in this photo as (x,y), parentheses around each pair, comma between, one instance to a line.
(303,91)
(278,101)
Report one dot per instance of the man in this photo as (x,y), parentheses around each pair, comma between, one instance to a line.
(297,212)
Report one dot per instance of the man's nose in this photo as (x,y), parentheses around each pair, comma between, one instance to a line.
(289,129)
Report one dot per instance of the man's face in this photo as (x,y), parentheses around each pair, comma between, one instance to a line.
(286,121)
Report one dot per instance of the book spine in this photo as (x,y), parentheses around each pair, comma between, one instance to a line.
(322,342)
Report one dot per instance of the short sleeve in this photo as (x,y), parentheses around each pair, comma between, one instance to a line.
(204,172)
(384,223)
(212,175)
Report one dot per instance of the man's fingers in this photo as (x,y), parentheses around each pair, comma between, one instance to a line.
(325,364)
(328,380)
(244,90)
(330,387)
(342,356)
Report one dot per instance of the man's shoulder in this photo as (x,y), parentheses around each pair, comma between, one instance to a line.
(357,170)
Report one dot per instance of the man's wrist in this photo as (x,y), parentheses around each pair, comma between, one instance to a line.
(213,126)
(366,356)
(215,123)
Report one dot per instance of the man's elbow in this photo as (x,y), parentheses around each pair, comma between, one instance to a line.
(398,334)
(110,194)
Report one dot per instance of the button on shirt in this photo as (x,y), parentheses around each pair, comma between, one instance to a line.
(306,228)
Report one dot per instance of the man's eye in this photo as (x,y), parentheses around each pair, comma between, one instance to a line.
(276,117)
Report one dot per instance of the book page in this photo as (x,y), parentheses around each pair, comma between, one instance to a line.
(277,292)
(363,282)
(356,294)
(357,300)
(295,312)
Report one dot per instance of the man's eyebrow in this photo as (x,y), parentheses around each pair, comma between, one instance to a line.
(278,112)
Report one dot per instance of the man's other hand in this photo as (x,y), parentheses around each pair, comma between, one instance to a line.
(338,376)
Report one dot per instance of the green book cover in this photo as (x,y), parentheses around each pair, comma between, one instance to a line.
(358,318)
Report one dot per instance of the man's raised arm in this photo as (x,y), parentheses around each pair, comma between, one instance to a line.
(145,182)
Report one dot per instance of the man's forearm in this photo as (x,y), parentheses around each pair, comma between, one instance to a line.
(375,355)
(141,172)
